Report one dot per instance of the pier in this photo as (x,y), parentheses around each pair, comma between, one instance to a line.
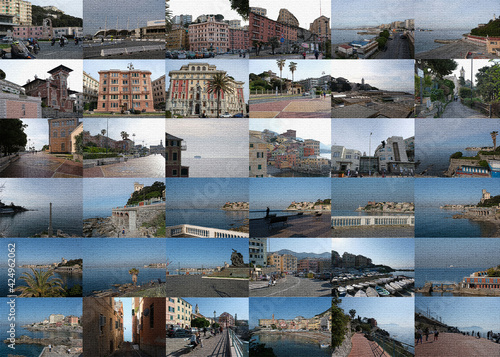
(354,221)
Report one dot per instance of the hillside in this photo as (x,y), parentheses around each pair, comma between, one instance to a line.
(59,19)
(491,29)
(325,255)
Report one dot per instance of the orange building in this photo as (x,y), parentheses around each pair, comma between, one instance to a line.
(60,134)
(148,325)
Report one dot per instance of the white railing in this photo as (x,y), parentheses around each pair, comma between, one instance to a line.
(238,348)
(203,232)
(353,221)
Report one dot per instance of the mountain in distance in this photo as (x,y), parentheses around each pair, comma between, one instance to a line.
(325,255)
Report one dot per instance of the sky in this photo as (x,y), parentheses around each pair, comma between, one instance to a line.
(429,14)
(200,193)
(394,252)
(459,252)
(20,71)
(319,131)
(305,16)
(147,131)
(462,311)
(44,250)
(466,64)
(122,252)
(205,7)
(236,68)
(305,68)
(156,67)
(39,309)
(385,75)
(355,133)
(385,311)
(195,252)
(361,191)
(212,138)
(37,131)
(286,308)
(73,8)
(127,318)
(232,306)
(278,193)
(122,11)
(441,191)
(300,245)
(99,194)
(36,193)
(433,135)
(347,14)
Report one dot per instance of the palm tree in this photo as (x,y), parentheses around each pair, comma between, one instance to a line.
(352,312)
(124,135)
(41,284)
(494,138)
(220,83)
(281,65)
(292,66)
(134,272)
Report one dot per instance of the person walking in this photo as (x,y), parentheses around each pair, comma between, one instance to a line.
(426,332)
(436,335)
(316,54)
(419,336)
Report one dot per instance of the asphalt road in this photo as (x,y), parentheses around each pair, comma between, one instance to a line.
(292,286)
(95,50)
(196,286)
(397,48)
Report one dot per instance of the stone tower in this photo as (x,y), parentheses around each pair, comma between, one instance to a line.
(486,196)
(462,73)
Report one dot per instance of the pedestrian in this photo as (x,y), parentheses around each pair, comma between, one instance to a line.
(478,334)
(267,212)
(204,331)
(436,335)
(192,340)
(123,232)
(304,54)
(221,329)
(50,347)
(316,54)
(198,340)
(426,332)
(419,336)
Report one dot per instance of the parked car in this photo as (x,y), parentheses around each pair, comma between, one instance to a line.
(181,333)
(225,115)
(168,54)
(238,115)
(181,55)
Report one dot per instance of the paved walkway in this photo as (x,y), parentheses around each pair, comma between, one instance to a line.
(454,344)
(361,347)
(198,286)
(127,350)
(307,225)
(44,166)
(149,166)
(293,108)
(458,110)
(213,346)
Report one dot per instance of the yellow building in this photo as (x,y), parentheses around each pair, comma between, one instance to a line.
(284,263)
(287,18)
(177,39)
(182,313)
(257,157)
(20,9)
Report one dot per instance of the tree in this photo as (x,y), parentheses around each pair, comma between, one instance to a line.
(242,7)
(258,46)
(134,272)
(339,324)
(79,144)
(274,43)
(281,65)
(456,155)
(488,83)
(352,312)
(2,74)
(124,135)
(440,67)
(292,66)
(41,284)
(12,136)
(200,322)
(220,83)
(464,92)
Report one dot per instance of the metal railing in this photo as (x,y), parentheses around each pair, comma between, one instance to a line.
(240,348)
(392,348)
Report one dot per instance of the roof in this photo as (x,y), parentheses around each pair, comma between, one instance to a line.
(60,67)
(171,137)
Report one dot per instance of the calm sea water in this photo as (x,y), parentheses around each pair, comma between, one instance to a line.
(210,167)
(443,275)
(424,40)
(341,36)
(401,333)
(104,278)
(27,224)
(68,279)
(292,345)
(439,159)
(213,218)
(436,222)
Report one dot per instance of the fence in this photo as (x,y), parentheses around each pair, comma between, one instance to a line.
(238,348)
(393,348)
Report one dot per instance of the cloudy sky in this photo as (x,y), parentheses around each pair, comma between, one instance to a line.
(305,68)
(73,8)
(348,14)
(205,7)
(37,131)
(467,64)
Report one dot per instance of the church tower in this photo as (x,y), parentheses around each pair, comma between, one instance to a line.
(462,72)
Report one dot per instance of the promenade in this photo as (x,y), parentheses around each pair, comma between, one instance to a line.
(457,49)
(43,165)
(307,225)
(455,344)
(213,346)
(199,286)
(290,107)
(361,347)
(148,166)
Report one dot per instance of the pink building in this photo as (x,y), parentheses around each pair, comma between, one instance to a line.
(209,36)
(238,39)
(263,29)
(28,31)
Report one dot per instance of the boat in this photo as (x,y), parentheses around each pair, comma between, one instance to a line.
(360,293)
(381,291)
(324,345)
(371,292)
(342,291)
(389,288)
(350,288)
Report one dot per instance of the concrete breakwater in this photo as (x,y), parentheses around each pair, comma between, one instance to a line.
(455,289)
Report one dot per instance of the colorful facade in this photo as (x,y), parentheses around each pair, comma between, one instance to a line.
(210,36)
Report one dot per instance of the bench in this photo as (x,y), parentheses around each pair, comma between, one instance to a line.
(273,220)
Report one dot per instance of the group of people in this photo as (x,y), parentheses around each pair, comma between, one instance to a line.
(426,332)
(196,340)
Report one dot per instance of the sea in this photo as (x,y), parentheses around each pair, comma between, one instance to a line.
(342,36)
(68,279)
(336,212)
(439,159)
(292,345)
(29,223)
(216,167)
(436,222)
(31,350)
(443,275)
(400,333)
(103,278)
(424,40)
(213,218)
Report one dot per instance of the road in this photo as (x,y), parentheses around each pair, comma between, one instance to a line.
(69,51)
(458,110)
(95,50)
(198,286)
(292,286)
(397,48)
(43,165)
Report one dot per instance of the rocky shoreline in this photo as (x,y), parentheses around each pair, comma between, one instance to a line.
(457,49)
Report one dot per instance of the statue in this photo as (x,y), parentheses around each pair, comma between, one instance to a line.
(237,259)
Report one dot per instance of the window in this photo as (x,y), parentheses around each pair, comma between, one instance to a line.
(114,96)
(114,74)
(103,97)
(125,96)
(259,167)
(174,156)
(114,81)
(54,134)
(174,172)
(105,82)
(152,316)
(63,134)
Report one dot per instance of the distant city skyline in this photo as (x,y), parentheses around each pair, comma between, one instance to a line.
(232,306)
(122,252)
(204,193)
(398,253)
(300,245)
(458,252)
(369,13)
(286,308)
(278,193)
(209,253)
(38,309)
(355,133)
(44,250)
(223,7)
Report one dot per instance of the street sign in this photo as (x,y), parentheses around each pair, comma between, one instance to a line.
(420,73)
(282,40)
